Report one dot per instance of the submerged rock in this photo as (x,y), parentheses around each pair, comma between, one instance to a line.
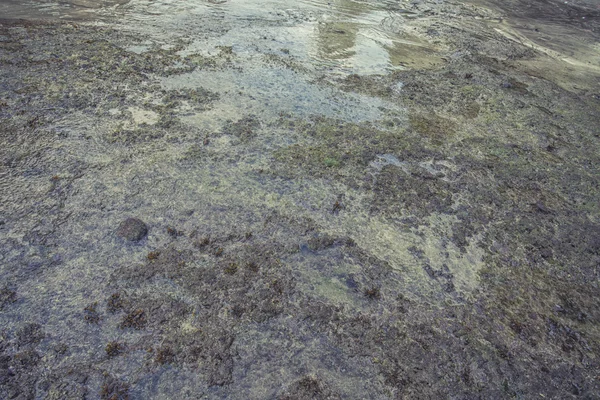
(132,229)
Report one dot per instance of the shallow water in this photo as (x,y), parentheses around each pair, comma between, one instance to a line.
(344,199)
(67,9)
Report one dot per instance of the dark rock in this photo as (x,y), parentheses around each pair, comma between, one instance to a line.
(132,229)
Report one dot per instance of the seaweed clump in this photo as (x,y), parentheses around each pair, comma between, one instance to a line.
(136,319)
(91,314)
(114,389)
(245,129)
(114,348)
(164,355)
(114,303)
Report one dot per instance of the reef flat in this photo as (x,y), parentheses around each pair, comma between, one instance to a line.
(300,200)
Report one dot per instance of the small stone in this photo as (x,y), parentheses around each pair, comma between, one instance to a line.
(132,229)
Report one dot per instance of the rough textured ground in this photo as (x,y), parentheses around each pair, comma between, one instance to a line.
(383,200)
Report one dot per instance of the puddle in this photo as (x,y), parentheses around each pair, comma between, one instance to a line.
(344,37)
(272,91)
(80,10)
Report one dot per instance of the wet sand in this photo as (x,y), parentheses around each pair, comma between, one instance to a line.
(383,200)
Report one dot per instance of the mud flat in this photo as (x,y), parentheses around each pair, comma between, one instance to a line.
(299,200)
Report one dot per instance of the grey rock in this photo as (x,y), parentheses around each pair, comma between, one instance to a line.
(132,229)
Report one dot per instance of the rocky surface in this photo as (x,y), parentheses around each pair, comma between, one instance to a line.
(132,229)
(350,200)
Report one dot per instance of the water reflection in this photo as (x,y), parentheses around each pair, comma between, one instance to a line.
(350,34)
(344,36)
(63,9)
(336,40)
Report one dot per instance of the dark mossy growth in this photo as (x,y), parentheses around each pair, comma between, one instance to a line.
(252,293)
(136,319)
(278,286)
(167,312)
(571,307)
(471,110)
(67,385)
(326,241)
(420,193)
(18,375)
(373,293)
(372,85)
(338,150)
(516,326)
(252,266)
(244,129)
(322,242)
(202,243)
(114,303)
(114,348)
(231,268)
(237,311)
(114,389)
(153,255)
(309,387)
(132,136)
(7,296)
(30,334)
(91,314)
(402,304)
(349,242)
(210,351)
(27,358)
(164,355)
(225,51)
(432,126)
(443,275)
